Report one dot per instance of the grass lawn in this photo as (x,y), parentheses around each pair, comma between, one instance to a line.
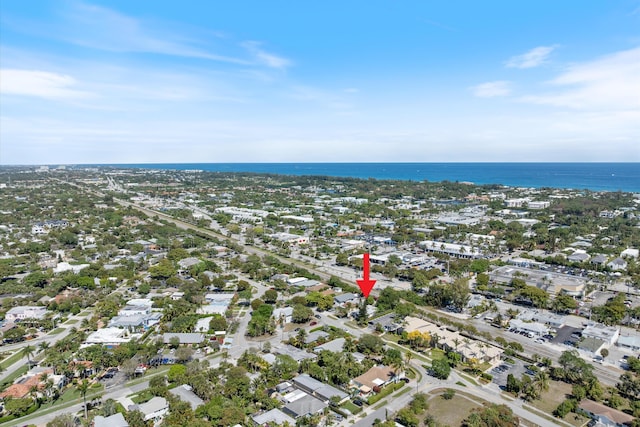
(11,360)
(56,331)
(71,322)
(142,397)
(69,394)
(351,407)
(392,338)
(18,372)
(551,398)
(450,412)
(436,354)
(380,405)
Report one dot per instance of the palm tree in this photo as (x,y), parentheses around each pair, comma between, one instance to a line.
(541,381)
(398,367)
(407,357)
(44,345)
(512,312)
(33,392)
(83,388)
(28,351)
(435,340)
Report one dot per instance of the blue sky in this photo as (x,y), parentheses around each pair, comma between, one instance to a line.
(285,81)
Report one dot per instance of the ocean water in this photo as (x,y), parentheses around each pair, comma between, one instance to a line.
(592,176)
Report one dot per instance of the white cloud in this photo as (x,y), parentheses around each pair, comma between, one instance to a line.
(534,58)
(266,58)
(101,28)
(611,82)
(42,84)
(492,89)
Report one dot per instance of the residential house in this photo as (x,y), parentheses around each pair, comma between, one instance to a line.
(136,323)
(318,389)
(184,338)
(185,393)
(274,417)
(153,410)
(599,260)
(284,313)
(617,264)
(35,378)
(315,336)
(297,354)
(136,307)
(578,256)
(335,346)
(115,420)
(348,297)
(605,416)
(305,406)
(109,337)
(24,312)
(374,379)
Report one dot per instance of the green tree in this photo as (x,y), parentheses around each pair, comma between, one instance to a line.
(83,388)
(564,303)
(28,351)
(163,270)
(513,385)
(482,280)
(370,344)
(135,418)
(270,296)
(440,368)
(218,323)
(406,417)
(301,314)
(492,415)
(64,420)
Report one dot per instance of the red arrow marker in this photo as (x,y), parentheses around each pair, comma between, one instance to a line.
(365,283)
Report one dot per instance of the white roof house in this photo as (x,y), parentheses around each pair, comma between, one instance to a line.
(286,313)
(274,416)
(65,266)
(25,312)
(630,253)
(116,420)
(154,409)
(617,264)
(108,337)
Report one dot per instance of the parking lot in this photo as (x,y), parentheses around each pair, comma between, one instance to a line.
(501,372)
(564,335)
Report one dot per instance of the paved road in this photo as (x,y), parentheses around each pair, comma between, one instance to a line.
(531,348)
(50,339)
(117,392)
